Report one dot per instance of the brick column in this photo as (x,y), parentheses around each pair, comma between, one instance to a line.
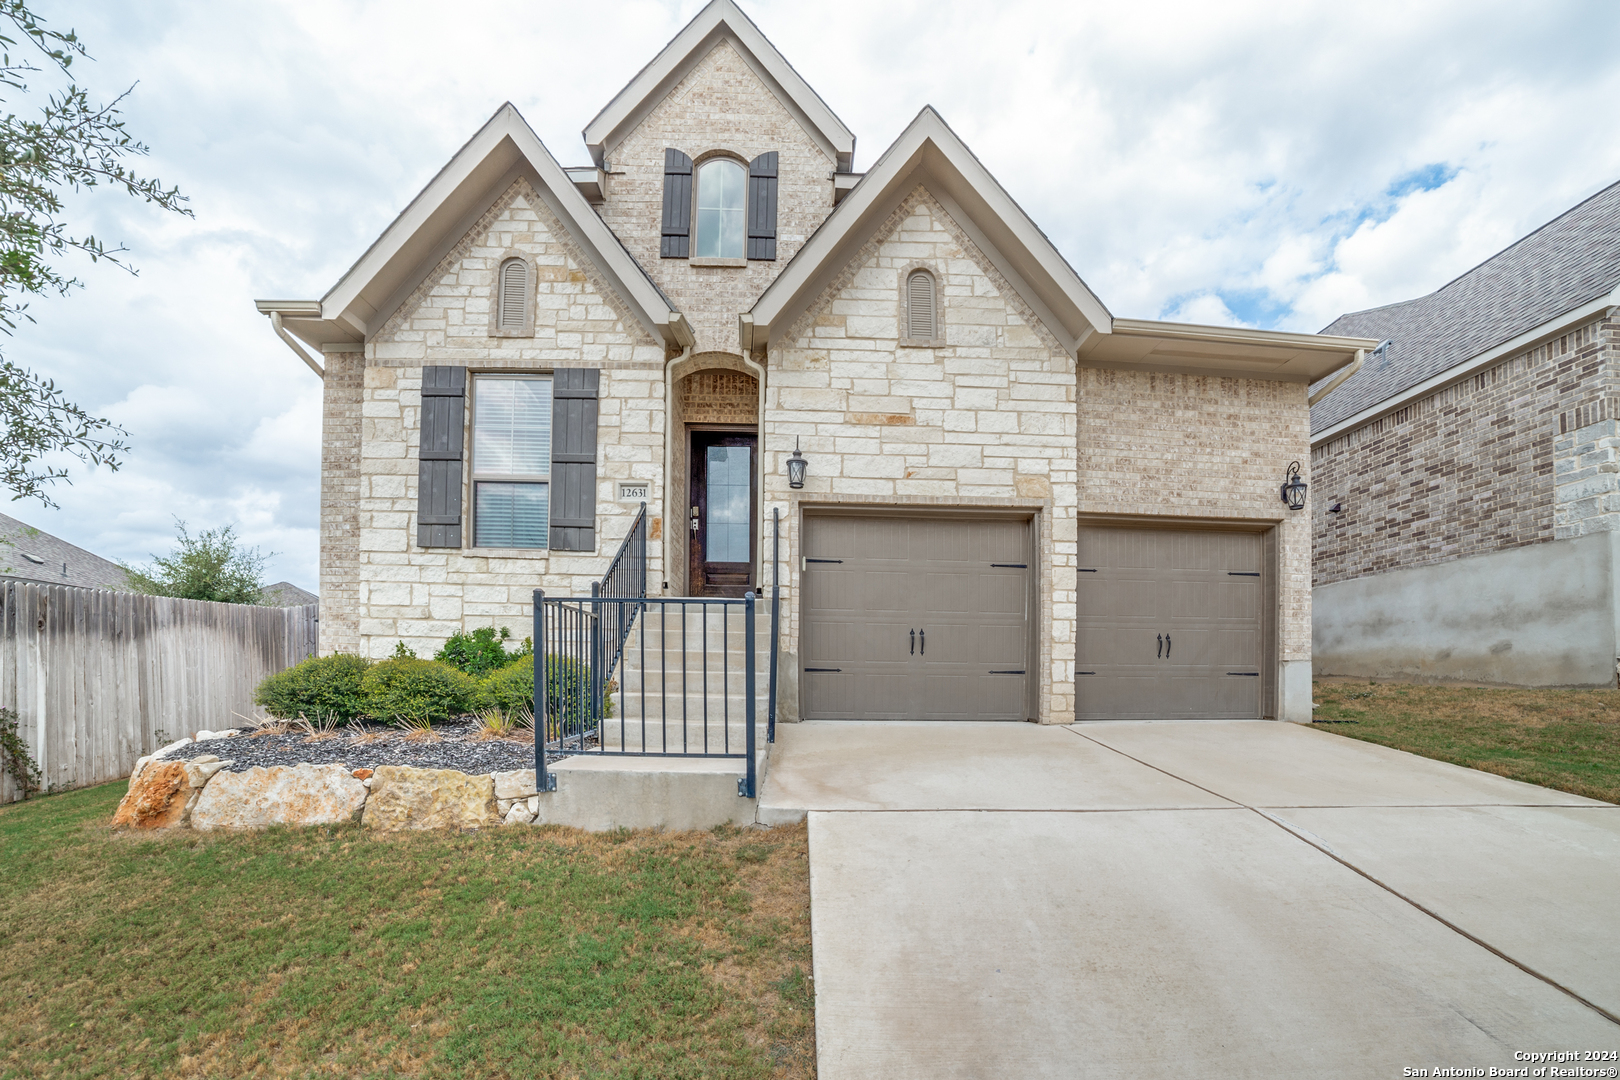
(340,502)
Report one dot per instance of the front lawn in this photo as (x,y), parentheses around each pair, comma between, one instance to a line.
(1564,739)
(512,952)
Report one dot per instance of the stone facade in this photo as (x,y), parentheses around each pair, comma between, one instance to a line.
(343,390)
(1478,466)
(721,106)
(421,596)
(987,420)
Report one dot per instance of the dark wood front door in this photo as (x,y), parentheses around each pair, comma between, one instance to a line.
(722,513)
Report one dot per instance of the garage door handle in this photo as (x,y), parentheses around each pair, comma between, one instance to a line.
(922,643)
(1011,565)
(1006,673)
(1251,674)
(913,643)
(824,669)
(1167,646)
(1243,573)
(1161,647)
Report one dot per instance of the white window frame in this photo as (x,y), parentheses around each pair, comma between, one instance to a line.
(478,475)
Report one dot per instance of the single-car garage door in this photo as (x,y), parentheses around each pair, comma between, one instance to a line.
(1170,624)
(911,618)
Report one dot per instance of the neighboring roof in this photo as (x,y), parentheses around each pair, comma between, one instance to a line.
(1144,345)
(928,152)
(33,555)
(721,19)
(1569,262)
(504,149)
(286,594)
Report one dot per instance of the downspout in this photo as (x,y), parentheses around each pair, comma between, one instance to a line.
(759,415)
(1339,379)
(281,332)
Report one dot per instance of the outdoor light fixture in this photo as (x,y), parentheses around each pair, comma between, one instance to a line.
(796,466)
(1293,489)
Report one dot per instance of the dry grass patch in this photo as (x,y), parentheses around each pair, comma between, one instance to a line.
(1564,739)
(519,952)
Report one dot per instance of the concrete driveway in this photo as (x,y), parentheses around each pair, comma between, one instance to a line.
(1191,899)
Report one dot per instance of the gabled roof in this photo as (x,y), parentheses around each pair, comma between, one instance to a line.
(35,555)
(929,153)
(504,149)
(721,19)
(1569,263)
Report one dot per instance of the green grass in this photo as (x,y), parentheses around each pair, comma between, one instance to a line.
(520,952)
(1564,739)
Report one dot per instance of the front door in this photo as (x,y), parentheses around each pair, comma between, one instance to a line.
(722,512)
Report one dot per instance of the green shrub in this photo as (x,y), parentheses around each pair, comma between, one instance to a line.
(477,653)
(417,690)
(568,691)
(320,685)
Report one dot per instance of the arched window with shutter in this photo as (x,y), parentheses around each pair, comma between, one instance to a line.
(922,315)
(512,297)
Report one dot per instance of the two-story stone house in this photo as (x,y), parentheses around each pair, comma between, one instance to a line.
(1082,515)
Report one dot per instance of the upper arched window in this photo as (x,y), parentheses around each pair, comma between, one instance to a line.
(513,298)
(922,319)
(721,230)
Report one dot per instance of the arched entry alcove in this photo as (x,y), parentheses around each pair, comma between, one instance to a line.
(713,533)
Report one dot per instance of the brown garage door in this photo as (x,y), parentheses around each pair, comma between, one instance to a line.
(915,619)
(1169,624)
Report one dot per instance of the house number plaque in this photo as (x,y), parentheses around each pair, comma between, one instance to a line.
(633,491)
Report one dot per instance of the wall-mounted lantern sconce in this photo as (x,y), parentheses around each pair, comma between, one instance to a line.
(796,466)
(1293,489)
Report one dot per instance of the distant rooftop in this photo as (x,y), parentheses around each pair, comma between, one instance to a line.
(1571,260)
(286,594)
(34,555)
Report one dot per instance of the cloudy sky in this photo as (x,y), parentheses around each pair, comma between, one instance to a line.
(1270,165)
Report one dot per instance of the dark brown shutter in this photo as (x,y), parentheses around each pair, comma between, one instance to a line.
(438,477)
(573,458)
(762,207)
(677,232)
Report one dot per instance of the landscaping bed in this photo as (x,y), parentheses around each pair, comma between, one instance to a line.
(1563,739)
(459,745)
(340,951)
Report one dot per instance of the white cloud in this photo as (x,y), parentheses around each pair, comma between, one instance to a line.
(1214,162)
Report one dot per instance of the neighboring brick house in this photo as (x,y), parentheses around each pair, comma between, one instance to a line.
(1086,507)
(1467,479)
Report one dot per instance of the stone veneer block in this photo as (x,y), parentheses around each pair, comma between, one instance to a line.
(404,798)
(280,795)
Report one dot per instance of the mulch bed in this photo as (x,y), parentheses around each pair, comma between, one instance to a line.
(457,747)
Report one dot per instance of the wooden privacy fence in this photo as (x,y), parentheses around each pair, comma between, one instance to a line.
(100,678)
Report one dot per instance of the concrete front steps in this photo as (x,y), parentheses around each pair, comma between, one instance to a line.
(617,789)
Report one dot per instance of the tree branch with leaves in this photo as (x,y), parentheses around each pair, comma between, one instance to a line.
(71,144)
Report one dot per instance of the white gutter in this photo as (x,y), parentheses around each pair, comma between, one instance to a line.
(275,324)
(1440,381)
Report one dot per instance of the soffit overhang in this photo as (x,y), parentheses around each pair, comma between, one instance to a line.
(1185,348)
(721,20)
(929,154)
(503,150)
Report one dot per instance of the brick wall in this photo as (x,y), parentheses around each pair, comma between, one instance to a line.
(719,396)
(988,419)
(421,595)
(720,105)
(1464,471)
(1197,446)
(342,392)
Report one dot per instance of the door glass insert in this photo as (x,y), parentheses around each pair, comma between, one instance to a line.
(730,475)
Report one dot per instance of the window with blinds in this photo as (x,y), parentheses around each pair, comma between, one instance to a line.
(511,464)
(921,321)
(513,300)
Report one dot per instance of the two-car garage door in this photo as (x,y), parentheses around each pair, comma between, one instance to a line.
(920,618)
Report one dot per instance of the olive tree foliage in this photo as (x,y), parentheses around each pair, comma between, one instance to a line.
(208,566)
(67,144)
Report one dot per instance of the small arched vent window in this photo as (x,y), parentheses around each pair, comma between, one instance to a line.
(514,295)
(922,320)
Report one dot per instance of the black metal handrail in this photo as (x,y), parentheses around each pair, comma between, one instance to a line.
(626,578)
(690,712)
(776,614)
